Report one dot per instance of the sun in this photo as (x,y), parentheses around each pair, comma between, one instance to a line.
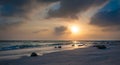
(75,29)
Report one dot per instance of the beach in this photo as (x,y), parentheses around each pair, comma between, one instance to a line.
(59,32)
(79,56)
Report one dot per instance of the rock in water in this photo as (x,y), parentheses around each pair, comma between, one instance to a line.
(34,54)
(59,46)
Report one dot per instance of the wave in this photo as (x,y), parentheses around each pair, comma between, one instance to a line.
(18,47)
(22,45)
(14,46)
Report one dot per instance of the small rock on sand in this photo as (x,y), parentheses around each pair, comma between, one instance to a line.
(34,54)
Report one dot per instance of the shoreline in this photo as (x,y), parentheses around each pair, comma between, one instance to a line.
(39,51)
(81,56)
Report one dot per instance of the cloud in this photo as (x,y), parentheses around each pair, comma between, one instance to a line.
(15,12)
(10,22)
(108,17)
(111,29)
(14,7)
(60,30)
(48,1)
(41,30)
(110,20)
(20,7)
(70,8)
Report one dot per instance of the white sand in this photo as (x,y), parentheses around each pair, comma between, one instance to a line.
(82,56)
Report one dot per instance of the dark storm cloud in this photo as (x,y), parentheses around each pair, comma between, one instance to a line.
(10,9)
(107,18)
(12,13)
(19,7)
(70,8)
(48,1)
(61,30)
(22,9)
(13,7)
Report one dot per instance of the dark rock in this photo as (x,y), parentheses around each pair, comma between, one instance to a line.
(59,47)
(55,47)
(73,45)
(34,54)
(100,46)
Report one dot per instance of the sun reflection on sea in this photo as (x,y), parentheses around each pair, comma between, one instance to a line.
(78,44)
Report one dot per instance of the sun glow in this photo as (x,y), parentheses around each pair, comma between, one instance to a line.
(75,29)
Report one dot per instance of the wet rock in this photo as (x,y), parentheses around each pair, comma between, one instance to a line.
(59,46)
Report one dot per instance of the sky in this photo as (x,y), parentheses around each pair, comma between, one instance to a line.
(53,19)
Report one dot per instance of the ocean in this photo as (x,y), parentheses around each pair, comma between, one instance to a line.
(13,45)
(24,44)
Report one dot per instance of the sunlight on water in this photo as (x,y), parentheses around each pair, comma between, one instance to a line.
(25,48)
(78,44)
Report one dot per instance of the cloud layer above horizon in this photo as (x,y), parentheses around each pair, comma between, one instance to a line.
(16,13)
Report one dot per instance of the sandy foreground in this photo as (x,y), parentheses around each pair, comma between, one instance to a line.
(81,56)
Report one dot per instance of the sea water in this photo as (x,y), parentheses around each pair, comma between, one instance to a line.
(13,45)
(10,48)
